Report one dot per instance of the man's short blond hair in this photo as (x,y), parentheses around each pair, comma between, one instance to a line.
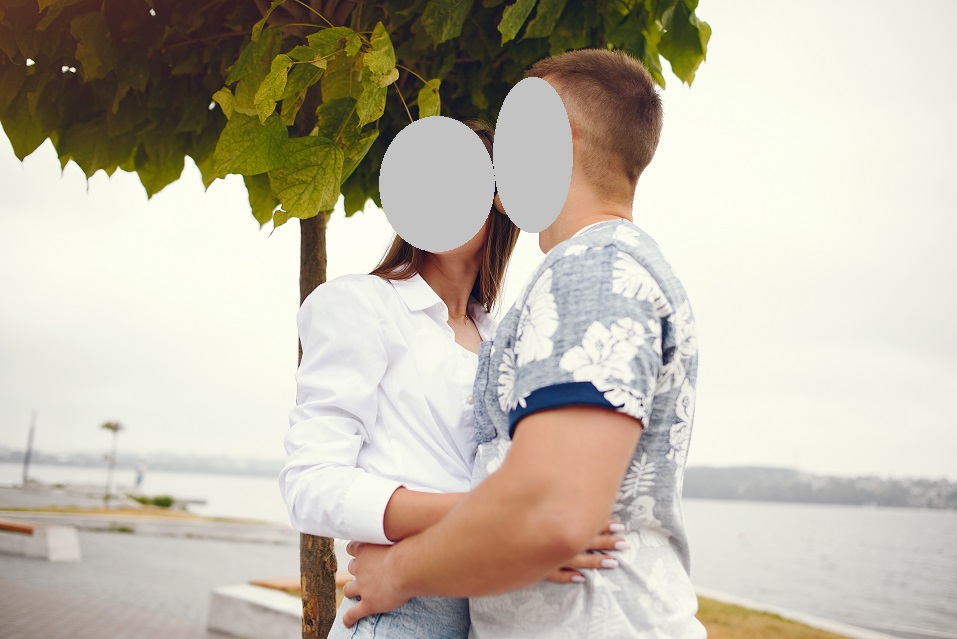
(614,107)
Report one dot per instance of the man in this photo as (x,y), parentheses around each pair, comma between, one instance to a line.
(585,403)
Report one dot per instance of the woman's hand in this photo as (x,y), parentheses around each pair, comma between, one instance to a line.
(594,557)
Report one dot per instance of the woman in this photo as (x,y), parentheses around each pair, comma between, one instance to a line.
(381,444)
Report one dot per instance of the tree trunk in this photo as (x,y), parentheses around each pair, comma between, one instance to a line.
(317,557)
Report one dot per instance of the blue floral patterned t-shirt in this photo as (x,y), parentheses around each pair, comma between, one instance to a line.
(602,322)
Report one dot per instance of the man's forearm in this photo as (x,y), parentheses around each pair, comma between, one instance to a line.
(498,538)
(410,512)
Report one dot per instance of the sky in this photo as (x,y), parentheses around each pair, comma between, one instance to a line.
(803,191)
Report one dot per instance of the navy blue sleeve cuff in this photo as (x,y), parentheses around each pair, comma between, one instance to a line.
(557,396)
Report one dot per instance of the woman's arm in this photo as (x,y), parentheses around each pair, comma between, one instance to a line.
(344,358)
(410,512)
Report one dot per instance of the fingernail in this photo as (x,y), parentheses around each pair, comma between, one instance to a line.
(578,579)
(609,563)
(622,545)
(616,528)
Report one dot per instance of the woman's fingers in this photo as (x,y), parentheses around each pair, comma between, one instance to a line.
(592,561)
(614,527)
(566,576)
(606,541)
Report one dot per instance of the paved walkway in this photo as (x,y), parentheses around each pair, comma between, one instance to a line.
(130,586)
(28,612)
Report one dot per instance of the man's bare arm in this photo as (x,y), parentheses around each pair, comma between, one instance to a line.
(542,507)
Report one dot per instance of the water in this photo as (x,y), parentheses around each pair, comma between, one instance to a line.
(226,495)
(888,569)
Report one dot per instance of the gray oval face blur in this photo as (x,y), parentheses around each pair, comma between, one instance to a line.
(436,184)
(533,154)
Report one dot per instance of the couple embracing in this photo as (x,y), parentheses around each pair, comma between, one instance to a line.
(522,480)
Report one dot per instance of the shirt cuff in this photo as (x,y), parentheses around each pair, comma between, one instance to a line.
(365,506)
(557,396)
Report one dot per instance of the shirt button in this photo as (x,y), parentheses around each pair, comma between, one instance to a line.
(464,355)
(468,400)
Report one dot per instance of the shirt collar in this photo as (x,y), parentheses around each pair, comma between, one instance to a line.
(419,296)
(594,224)
(416,293)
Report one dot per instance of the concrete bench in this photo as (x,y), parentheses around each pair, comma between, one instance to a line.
(263,608)
(53,543)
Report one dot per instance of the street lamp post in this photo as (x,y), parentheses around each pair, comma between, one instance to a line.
(115,427)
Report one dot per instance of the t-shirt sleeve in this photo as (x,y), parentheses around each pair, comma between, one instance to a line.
(589,334)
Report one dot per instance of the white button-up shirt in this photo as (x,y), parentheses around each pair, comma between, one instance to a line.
(384,399)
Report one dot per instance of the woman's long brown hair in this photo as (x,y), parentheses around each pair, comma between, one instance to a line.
(403,260)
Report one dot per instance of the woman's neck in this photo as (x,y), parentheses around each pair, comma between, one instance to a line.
(452,278)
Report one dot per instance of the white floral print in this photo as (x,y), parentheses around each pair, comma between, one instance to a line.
(639,478)
(680,434)
(631,279)
(627,235)
(537,323)
(508,398)
(606,353)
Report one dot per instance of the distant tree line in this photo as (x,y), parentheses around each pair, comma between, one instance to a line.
(780,484)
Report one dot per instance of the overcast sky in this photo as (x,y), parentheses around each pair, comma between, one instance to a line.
(803,190)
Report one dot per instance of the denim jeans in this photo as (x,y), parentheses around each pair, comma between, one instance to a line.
(422,618)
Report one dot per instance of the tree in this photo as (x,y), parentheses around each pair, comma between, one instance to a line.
(115,428)
(300,97)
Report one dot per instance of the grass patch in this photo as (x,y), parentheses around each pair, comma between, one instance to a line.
(727,621)
(163,501)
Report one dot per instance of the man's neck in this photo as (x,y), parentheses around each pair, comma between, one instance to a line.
(581,209)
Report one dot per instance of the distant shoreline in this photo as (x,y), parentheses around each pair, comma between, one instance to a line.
(755,484)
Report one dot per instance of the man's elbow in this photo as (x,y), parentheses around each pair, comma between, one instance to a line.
(559,535)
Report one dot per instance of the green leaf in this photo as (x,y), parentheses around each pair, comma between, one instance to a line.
(94,47)
(354,196)
(355,151)
(685,42)
(224,98)
(306,53)
(261,199)
(371,104)
(443,19)
(353,44)
(194,114)
(24,130)
(343,78)
(380,59)
(164,166)
(56,7)
(429,103)
(258,27)
(388,78)
(255,54)
(336,120)
(301,77)
(546,15)
(327,41)
(11,79)
(134,74)
(513,18)
(272,87)
(246,89)
(309,179)
(248,146)
(570,31)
